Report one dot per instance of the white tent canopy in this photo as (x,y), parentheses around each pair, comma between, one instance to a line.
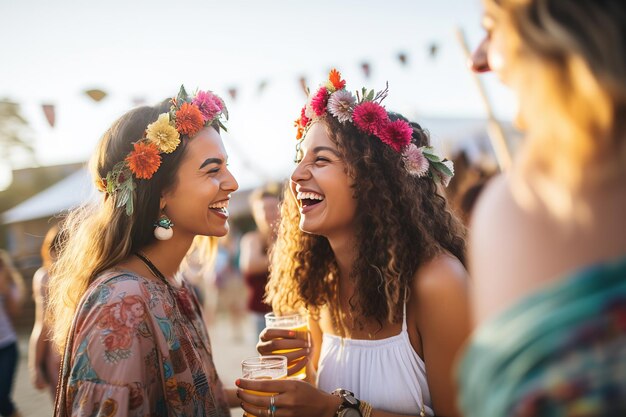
(70,192)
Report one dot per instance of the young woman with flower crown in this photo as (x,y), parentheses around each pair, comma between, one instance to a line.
(369,247)
(132,333)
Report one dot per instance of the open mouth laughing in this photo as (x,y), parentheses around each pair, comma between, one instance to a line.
(309,199)
(220,208)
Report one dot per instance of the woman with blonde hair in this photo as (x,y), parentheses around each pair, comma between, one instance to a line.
(132,331)
(11,299)
(548,245)
(368,245)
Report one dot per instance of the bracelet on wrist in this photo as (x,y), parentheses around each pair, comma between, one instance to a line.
(365,408)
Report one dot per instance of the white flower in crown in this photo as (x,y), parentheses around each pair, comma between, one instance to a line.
(415,161)
(340,105)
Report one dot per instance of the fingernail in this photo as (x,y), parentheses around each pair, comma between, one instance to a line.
(292,333)
(237,382)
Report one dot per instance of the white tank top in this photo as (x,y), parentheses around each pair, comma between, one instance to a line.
(386,373)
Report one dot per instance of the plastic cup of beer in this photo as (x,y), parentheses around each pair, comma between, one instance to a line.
(298,322)
(263,367)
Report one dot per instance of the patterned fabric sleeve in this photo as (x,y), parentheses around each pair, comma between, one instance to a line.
(115,367)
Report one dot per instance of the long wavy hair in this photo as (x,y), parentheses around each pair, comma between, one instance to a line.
(569,62)
(401,222)
(99,236)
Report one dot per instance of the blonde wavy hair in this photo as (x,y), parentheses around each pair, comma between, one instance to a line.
(402,221)
(569,61)
(96,237)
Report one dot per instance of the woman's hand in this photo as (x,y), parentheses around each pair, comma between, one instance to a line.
(290,398)
(296,343)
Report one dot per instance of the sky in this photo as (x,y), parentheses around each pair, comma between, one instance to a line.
(52,51)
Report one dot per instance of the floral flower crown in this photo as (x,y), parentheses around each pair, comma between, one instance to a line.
(187,115)
(370,117)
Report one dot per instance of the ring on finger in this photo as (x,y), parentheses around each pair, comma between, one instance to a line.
(273,407)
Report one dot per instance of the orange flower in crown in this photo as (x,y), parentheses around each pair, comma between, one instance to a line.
(144,160)
(187,115)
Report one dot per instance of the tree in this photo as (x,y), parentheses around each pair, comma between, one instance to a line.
(15,136)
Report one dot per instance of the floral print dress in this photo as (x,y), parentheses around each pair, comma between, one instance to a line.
(136,350)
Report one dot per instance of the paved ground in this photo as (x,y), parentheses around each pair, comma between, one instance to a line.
(228,353)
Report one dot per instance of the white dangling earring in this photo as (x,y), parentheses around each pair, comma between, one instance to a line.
(163,228)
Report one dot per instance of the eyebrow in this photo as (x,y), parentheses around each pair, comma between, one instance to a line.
(211,161)
(318,149)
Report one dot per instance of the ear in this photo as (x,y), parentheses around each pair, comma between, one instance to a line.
(162,203)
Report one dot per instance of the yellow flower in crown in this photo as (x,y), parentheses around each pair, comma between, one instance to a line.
(163,134)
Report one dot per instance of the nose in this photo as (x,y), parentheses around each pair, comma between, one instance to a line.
(229,183)
(479,61)
(300,173)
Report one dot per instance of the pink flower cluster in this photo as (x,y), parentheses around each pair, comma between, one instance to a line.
(319,101)
(209,104)
(372,118)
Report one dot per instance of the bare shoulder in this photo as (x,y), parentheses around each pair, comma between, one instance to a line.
(439,277)
(440,294)
(511,248)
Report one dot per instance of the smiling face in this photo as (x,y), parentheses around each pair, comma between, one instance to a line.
(198,203)
(321,186)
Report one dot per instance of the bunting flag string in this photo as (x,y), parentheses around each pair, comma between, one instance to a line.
(402,58)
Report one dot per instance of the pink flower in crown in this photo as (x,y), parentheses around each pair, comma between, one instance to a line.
(416,162)
(304,120)
(370,117)
(396,134)
(340,105)
(209,105)
(319,101)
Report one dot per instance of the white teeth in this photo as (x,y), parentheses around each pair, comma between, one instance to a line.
(219,205)
(309,196)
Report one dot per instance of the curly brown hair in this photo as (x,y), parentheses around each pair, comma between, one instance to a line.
(401,222)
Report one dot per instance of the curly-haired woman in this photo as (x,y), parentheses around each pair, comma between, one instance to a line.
(135,342)
(368,245)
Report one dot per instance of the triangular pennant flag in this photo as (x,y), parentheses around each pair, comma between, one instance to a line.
(48,111)
(433,49)
(232,92)
(96,94)
(402,58)
(365,66)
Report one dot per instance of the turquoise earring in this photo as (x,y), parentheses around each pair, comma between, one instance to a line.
(163,228)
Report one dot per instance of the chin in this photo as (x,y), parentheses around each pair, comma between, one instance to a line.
(219,231)
(309,229)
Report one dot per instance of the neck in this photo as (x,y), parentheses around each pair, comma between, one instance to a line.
(344,250)
(167,255)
